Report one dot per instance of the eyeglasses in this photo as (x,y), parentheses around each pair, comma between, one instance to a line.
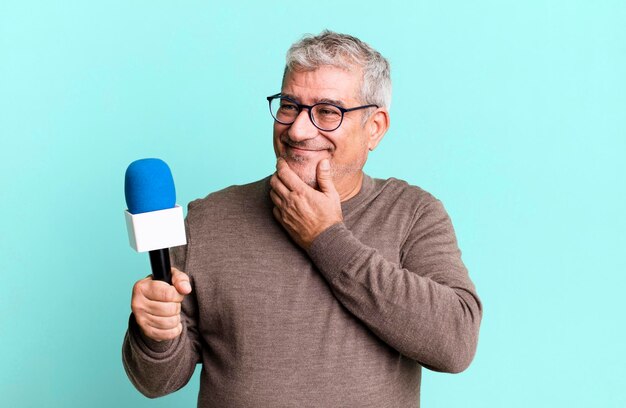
(325,116)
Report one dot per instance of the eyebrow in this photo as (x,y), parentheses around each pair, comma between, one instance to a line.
(321,100)
(333,101)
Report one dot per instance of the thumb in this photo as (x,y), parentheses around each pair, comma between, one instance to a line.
(180,280)
(324,178)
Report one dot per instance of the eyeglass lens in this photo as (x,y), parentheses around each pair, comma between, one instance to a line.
(324,115)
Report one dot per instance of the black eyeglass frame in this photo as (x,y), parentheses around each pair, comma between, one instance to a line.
(310,109)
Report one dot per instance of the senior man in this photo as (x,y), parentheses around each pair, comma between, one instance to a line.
(318,286)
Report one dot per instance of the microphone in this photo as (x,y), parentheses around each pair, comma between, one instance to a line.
(153,219)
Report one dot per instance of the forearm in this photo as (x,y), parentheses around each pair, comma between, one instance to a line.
(430,315)
(158,368)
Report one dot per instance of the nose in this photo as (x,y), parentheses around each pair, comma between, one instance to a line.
(302,129)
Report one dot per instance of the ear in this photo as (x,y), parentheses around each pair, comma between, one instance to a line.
(377,126)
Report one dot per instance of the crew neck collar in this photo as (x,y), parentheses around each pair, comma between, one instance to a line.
(366,187)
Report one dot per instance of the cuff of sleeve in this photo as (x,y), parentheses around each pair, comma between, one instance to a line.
(334,249)
(149,346)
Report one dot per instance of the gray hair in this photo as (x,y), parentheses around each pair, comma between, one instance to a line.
(344,51)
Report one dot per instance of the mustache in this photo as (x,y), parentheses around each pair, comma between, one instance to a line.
(306,144)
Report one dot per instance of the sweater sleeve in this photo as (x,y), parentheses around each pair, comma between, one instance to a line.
(426,308)
(160,368)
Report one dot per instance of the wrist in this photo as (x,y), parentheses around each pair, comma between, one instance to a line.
(320,232)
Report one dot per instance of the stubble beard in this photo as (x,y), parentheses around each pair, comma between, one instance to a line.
(303,167)
(307,170)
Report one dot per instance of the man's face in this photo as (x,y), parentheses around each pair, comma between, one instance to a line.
(303,145)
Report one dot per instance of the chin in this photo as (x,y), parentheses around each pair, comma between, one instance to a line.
(305,170)
(311,181)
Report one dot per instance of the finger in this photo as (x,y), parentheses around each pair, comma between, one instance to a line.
(324,178)
(276,199)
(162,322)
(160,291)
(148,295)
(289,178)
(277,214)
(160,334)
(160,309)
(181,281)
(279,187)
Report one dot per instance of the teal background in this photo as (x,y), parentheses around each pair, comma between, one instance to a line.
(512,113)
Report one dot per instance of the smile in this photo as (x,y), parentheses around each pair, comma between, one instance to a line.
(303,153)
(300,149)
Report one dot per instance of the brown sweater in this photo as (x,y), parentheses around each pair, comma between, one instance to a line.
(348,324)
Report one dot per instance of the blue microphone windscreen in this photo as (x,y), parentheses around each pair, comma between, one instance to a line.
(149,186)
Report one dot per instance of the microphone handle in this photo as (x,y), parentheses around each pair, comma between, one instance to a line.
(160,263)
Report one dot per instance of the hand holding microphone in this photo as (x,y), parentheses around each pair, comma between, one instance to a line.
(156,305)
(155,223)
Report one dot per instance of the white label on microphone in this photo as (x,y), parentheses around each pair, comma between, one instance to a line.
(156,229)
